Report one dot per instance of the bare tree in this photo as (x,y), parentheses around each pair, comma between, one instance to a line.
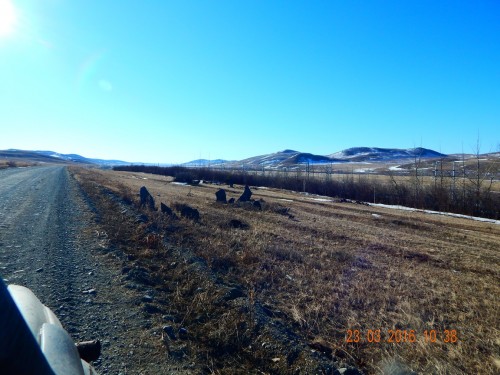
(416,181)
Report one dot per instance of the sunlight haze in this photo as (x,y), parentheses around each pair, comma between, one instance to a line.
(7,17)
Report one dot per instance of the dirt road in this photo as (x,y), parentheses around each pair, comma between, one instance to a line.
(48,243)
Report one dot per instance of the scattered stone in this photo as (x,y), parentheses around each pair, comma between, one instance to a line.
(352,371)
(147,298)
(39,270)
(89,350)
(220,195)
(188,212)
(167,210)
(231,201)
(238,224)
(169,330)
(147,199)
(151,309)
(90,291)
(183,332)
(140,275)
(245,197)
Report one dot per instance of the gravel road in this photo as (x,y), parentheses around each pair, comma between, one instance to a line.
(48,243)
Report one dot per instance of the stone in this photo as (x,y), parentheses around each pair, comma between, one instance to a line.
(147,199)
(354,371)
(257,205)
(188,212)
(245,197)
(220,196)
(151,309)
(169,330)
(183,332)
(140,275)
(231,201)
(167,210)
(238,224)
(89,350)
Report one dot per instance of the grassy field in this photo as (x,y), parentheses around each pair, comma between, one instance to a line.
(362,286)
(4,163)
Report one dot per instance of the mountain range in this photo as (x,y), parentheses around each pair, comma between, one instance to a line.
(289,158)
(281,159)
(55,157)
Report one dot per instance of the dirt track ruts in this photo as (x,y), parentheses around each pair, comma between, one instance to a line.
(48,244)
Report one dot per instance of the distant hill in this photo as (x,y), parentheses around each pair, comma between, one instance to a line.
(282,159)
(373,154)
(204,163)
(290,158)
(55,157)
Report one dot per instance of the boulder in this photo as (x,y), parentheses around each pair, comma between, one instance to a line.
(247,194)
(220,195)
(147,199)
(257,205)
(167,210)
(188,212)
(231,201)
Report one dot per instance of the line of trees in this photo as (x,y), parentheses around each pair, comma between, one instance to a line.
(465,190)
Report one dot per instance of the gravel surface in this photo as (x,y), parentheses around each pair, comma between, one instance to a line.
(50,243)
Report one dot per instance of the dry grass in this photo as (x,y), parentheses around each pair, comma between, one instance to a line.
(4,163)
(322,268)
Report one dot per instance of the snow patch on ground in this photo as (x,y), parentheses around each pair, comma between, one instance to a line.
(285,200)
(321,199)
(482,219)
(179,183)
(396,168)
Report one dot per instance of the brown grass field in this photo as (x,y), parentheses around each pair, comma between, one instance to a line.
(327,272)
(5,163)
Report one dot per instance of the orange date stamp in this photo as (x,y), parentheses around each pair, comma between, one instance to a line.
(396,336)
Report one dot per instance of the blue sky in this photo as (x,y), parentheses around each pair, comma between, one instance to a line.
(171,81)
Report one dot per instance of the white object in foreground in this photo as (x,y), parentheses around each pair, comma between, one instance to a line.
(25,318)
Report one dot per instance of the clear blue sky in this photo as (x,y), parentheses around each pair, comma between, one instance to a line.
(170,81)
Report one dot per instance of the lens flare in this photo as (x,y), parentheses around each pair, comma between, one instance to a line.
(7,17)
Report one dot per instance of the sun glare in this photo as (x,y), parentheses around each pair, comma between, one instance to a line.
(7,17)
